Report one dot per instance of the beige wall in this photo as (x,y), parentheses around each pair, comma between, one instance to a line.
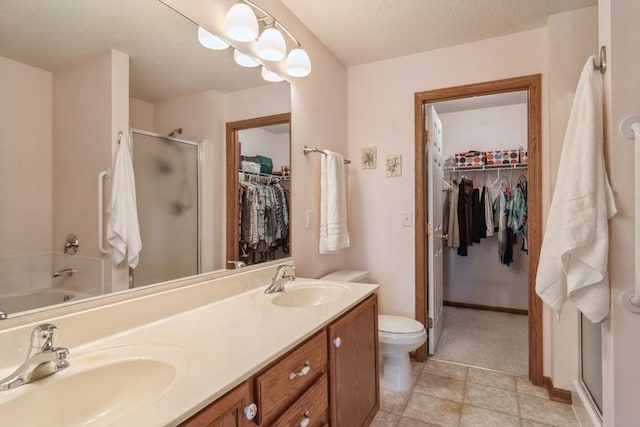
(382,115)
(25,159)
(620,33)
(571,39)
(319,117)
(140,114)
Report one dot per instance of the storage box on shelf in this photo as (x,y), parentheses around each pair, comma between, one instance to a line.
(471,158)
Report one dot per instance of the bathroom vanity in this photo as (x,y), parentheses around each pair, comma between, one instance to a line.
(204,354)
(331,376)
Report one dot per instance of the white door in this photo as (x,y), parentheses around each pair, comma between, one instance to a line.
(434,231)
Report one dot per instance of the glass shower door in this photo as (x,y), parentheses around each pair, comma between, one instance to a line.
(591,360)
(167,188)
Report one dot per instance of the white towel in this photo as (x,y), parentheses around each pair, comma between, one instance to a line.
(333,204)
(573,259)
(123,231)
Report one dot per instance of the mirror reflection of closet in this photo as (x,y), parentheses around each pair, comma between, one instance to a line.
(258,190)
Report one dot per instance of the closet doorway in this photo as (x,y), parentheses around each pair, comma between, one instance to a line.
(433,168)
(258,153)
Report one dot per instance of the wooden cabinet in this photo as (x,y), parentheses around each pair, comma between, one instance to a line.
(228,411)
(311,386)
(353,366)
(285,381)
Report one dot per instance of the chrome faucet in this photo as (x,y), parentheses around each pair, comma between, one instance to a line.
(65,272)
(43,359)
(281,278)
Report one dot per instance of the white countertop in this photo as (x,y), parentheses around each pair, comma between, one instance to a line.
(217,347)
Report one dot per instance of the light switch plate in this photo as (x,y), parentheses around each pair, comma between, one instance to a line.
(406,219)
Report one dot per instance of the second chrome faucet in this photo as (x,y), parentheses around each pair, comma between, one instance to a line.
(284,274)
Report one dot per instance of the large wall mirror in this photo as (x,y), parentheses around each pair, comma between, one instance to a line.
(76,74)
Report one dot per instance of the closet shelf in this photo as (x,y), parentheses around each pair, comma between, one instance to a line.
(485,168)
(275,177)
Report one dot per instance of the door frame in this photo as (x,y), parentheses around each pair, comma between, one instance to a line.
(531,84)
(232,167)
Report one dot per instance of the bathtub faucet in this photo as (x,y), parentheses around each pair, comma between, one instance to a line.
(65,272)
(43,359)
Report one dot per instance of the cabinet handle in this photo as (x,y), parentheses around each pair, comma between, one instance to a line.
(306,420)
(337,342)
(251,411)
(304,371)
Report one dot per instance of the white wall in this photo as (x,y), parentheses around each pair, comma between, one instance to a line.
(25,159)
(571,38)
(262,142)
(480,278)
(620,33)
(484,129)
(140,114)
(382,115)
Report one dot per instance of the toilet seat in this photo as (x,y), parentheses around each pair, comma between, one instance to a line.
(398,325)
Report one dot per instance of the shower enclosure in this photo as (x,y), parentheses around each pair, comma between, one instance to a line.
(167,173)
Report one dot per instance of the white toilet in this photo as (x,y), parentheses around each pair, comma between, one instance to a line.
(397,337)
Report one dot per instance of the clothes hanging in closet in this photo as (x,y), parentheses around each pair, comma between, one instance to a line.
(264,218)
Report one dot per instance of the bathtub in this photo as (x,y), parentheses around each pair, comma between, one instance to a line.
(14,303)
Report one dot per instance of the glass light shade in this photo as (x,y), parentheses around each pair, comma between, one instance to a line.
(244,60)
(298,63)
(271,45)
(241,23)
(270,76)
(210,41)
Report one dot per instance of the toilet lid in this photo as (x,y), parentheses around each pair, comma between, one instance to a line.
(398,324)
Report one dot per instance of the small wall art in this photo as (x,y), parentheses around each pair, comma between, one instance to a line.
(393,165)
(369,158)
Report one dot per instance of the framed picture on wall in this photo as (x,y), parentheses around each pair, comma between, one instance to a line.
(393,165)
(368,158)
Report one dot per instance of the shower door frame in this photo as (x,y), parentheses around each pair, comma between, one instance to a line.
(199,173)
(532,85)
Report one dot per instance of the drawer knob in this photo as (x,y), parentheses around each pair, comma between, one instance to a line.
(306,420)
(251,411)
(337,342)
(304,371)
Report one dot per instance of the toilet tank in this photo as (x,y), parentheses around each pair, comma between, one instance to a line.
(358,276)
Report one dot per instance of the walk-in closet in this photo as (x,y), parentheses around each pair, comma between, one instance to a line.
(477,202)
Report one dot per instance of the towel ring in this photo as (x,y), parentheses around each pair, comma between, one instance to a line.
(602,66)
(120,135)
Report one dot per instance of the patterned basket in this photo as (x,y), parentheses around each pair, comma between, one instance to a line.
(503,157)
(471,158)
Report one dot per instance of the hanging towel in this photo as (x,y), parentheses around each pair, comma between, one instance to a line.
(333,204)
(573,259)
(123,231)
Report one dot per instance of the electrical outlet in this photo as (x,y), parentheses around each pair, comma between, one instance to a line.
(309,217)
(406,219)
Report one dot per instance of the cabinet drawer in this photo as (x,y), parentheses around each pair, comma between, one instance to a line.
(282,383)
(313,405)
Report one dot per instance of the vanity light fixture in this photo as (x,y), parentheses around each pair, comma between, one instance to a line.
(271,45)
(298,63)
(210,41)
(270,76)
(241,24)
(244,60)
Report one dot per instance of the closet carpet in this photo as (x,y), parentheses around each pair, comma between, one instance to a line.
(486,339)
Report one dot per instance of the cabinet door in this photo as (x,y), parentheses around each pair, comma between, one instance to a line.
(353,366)
(228,411)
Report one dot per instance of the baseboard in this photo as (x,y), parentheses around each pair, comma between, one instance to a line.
(556,394)
(486,307)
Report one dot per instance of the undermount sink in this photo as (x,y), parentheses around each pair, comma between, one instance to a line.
(307,294)
(98,388)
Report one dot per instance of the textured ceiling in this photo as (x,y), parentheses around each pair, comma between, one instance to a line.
(362,31)
(166,59)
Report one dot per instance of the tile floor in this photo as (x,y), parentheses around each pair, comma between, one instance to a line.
(449,394)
